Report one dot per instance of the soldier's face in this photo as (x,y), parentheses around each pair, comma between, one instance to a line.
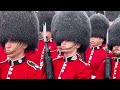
(116,51)
(48,34)
(95,41)
(68,46)
(14,49)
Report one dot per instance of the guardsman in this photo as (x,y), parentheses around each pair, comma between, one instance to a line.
(96,53)
(19,34)
(71,31)
(44,17)
(114,46)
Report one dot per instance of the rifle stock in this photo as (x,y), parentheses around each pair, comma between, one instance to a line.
(107,66)
(48,61)
(107,70)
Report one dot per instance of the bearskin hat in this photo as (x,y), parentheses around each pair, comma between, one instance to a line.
(101,12)
(45,16)
(114,34)
(19,26)
(72,26)
(112,15)
(57,12)
(90,13)
(99,25)
(119,15)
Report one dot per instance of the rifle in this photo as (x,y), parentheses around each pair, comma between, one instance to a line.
(47,57)
(107,72)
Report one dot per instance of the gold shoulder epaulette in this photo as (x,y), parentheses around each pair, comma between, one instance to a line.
(32,64)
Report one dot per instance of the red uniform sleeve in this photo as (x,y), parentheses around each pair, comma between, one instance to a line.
(53,50)
(3,55)
(36,74)
(83,71)
(100,72)
(33,56)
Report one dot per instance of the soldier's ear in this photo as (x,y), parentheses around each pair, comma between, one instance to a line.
(25,46)
(78,45)
(102,40)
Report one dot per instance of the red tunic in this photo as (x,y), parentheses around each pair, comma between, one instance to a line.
(95,58)
(20,69)
(115,70)
(72,69)
(52,46)
(3,55)
(33,56)
(38,55)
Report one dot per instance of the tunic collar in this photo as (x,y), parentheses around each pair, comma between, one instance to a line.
(96,47)
(69,59)
(17,62)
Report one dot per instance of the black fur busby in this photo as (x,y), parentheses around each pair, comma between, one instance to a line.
(112,15)
(114,34)
(57,12)
(99,25)
(45,16)
(119,15)
(19,26)
(101,12)
(72,26)
(90,13)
